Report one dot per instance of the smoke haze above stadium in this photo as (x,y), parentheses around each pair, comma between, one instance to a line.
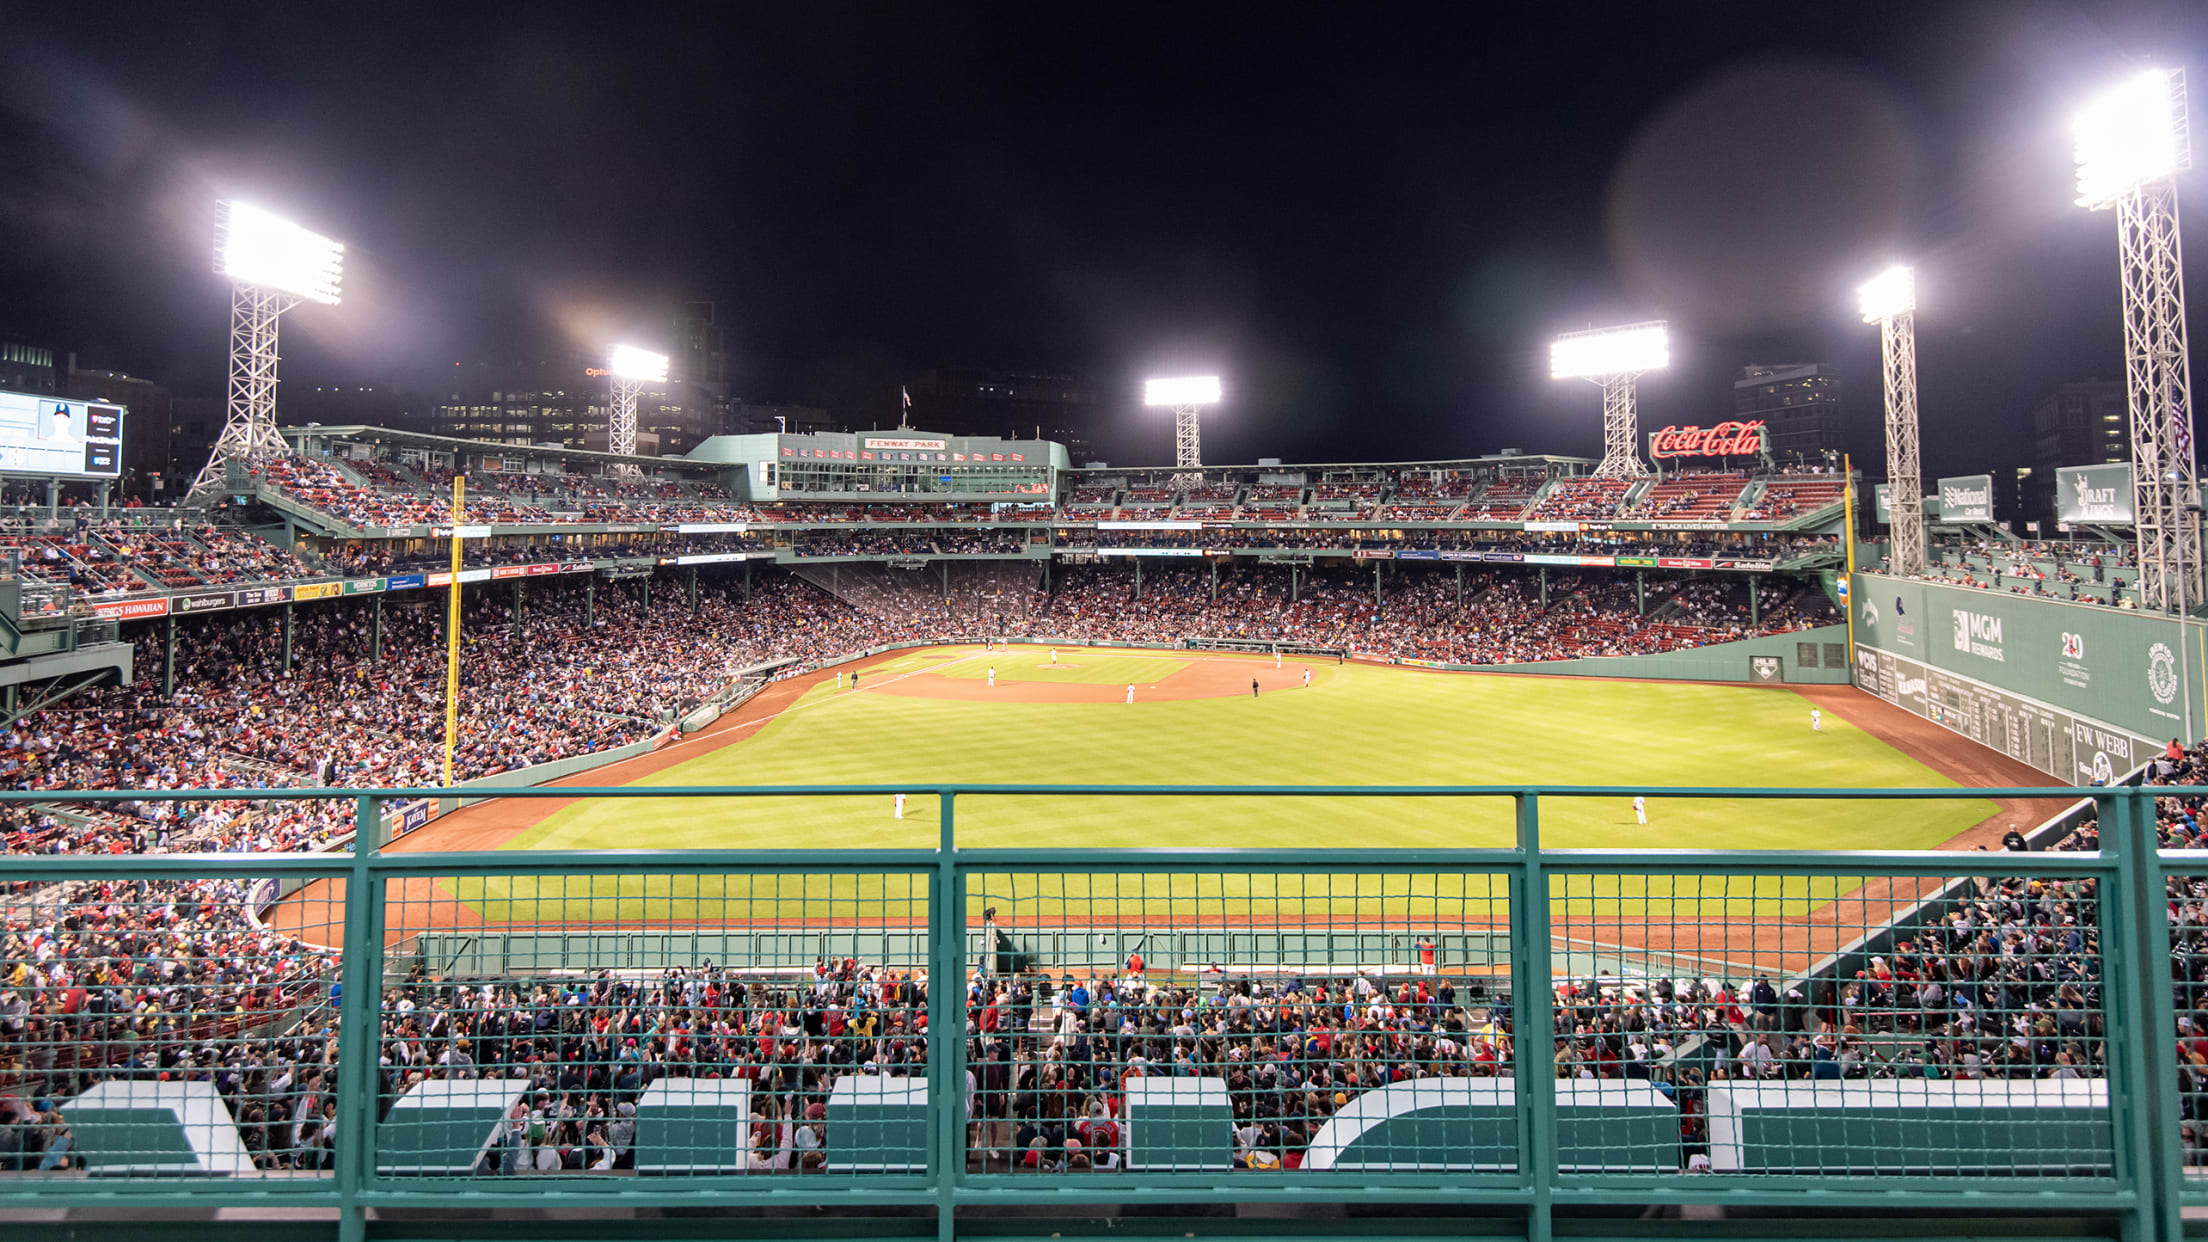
(1369,220)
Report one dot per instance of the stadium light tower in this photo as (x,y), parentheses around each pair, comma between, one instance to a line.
(1614,358)
(2131,144)
(1890,301)
(273,265)
(631,369)
(1187,396)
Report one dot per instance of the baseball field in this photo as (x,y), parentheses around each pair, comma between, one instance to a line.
(939,715)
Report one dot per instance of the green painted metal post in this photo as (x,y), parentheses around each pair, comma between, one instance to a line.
(1376,584)
(517,607)
(1533,1021)
(946,567)
(1215,578)
(361,972)
(375,632)
(747,582)
(1544,586)
(947,1021)
(2146,1093)
(1755,602)
(1295,584)
(1460,584)
(1138,577)
(1640,590)
(168,661)
(647,602)
(590,601)
(289,617)
(693,588)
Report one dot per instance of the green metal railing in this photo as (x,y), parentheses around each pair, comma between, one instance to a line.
(1773,912)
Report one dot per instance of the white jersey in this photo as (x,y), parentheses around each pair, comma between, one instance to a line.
(1640,808)
(1130,692)
(992,677)
(1816,720)
(900,805)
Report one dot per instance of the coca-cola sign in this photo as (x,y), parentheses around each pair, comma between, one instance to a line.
(1723,440)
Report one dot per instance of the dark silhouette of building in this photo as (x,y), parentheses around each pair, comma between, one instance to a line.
(1045,405)
(1799,404)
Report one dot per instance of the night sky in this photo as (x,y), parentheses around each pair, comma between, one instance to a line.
(1369,219)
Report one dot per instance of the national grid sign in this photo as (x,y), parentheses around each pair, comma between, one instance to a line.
(2076,690)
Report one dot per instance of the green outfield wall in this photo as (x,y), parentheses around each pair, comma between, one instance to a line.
(1805,657)
(2083,692)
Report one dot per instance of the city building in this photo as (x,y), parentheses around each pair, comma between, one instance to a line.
(25,367)
(146,431)
(1045,404)
(2084,423)
(194,423)
(363,403)
(747,418)
(1799,404)
(564,404)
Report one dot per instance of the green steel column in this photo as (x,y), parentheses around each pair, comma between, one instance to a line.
(1533,1020)
(517,606)
(946,578)
(2139,940)
(1460,584)
(747,582)
(1755,602)
(288,618)
(647,593)
(1295,584)
(375,632)
(947,1019)
(693,588)
(1640,590)
(53,500)
(1544,586)
(1138,577)
(590,601)
(1215,577)
(361,976)
(1376,583)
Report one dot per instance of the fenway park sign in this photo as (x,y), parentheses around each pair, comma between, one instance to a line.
(1723,440)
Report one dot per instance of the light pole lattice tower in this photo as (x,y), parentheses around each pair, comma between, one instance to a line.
(273,265)
(2131,144)
(1186,397)
(1890,301)
(630,369)
(1614,358)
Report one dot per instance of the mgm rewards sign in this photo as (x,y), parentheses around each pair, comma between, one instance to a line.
(2079,691)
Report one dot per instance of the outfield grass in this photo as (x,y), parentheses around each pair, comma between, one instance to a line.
(1356,725)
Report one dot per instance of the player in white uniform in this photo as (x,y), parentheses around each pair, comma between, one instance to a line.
(1130,692)
(1307,679)
(1640,809)
(992,676)
(900,805)
(1816,721)
(1276,657)
(1053,655)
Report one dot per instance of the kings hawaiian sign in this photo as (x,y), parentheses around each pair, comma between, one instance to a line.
(1723,440)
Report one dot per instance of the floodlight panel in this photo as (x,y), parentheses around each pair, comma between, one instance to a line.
(1187,390)
(2129,137)
(1610,351)
(630,363)
(1890,293)
(257,247)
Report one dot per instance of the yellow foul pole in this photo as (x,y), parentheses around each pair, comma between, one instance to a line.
(452,630)
(1847,497)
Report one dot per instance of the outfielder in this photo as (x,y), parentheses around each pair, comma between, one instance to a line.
(1640,809)
(1816,721)
(1307,679)
(900,805)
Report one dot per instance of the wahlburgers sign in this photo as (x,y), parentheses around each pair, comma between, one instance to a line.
(1968,498)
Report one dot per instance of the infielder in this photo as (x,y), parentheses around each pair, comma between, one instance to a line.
(1130,692)
(1640,809)
(1816,721)
(1307,679)
(992,676)
(1276,657)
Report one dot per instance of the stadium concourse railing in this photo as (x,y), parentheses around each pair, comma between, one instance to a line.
(1547,1139)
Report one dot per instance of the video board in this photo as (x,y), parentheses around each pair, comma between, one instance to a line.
(60,436)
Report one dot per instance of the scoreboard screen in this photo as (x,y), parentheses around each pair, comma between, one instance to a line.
(60,436)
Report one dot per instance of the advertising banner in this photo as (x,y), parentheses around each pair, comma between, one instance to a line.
(1881,503)
(1419,554)
(1966,498)
(1456,555)
(132,609)
(1648,562)
(254,597)
(401,582)
(1686,562)
(711,528)
(1149,525)
(363,586)
(202,601)
(1149,551)
(1553,526)
(1503,558)
(316,590)
(1374,554)
(505,571)
(2098,494)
